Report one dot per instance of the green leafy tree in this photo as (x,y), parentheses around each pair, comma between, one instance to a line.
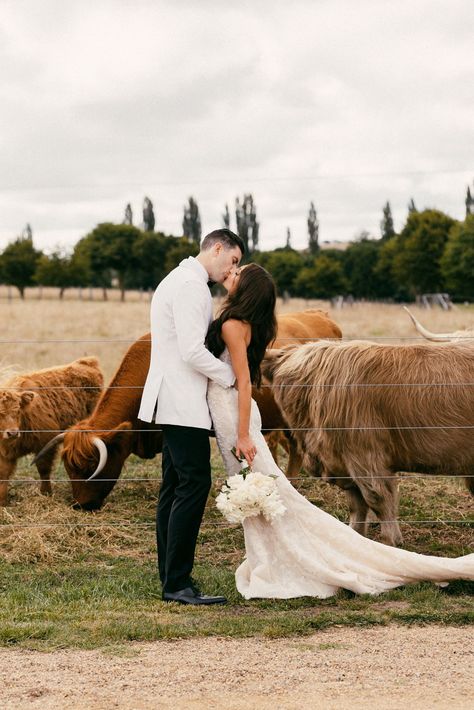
(284,265)
(421,246)
(323,279)
(108,253)
(119,241)
(89,255)
(390,286)
(180,249)
(192,229)
(59,270)
(457,262)
(150,252)
(18,263)
(360,261)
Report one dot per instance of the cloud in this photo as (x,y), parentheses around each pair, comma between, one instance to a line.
(346,104)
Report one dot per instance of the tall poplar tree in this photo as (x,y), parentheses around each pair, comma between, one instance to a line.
(226,218)
(148,215)
(247,225)
(192,222)
(313,230)
(128,215)
(386,225)
(412,206)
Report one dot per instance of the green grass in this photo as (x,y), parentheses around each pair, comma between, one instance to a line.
(85,590)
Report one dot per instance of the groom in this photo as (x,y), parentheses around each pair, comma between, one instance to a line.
(175,397)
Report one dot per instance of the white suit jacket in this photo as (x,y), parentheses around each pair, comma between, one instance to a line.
(180,364)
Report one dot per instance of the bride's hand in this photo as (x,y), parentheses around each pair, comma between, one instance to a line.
(245,447)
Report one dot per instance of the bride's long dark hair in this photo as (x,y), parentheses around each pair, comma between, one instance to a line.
(253,301)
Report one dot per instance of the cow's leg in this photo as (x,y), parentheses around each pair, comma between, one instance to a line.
(358,510)
(470,484)
(295,459)
(44,466)
(7,468)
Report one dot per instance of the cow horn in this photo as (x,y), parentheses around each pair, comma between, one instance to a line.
(102,456)
(52,442)
(437,337)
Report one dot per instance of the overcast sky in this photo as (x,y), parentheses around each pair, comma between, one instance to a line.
(347,104)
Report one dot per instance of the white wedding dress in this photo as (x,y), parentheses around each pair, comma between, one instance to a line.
(307,552)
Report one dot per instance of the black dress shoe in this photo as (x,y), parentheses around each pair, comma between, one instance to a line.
(190,596)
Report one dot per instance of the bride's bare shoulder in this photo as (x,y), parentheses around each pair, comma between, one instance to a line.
(236,329)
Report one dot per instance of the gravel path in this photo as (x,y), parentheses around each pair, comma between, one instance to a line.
(387,667)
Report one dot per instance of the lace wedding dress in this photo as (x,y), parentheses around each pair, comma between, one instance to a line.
(307,552)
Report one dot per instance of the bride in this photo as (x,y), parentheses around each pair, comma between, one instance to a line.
(304,552)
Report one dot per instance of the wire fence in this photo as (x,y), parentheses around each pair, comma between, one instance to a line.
(307,479)
(346,339)
(133,523)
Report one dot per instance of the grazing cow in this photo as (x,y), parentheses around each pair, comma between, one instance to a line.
(101,443)
(455,337)
(293,328)
(361,412)
(34,406)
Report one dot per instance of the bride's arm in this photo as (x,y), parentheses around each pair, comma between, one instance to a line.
(236,335)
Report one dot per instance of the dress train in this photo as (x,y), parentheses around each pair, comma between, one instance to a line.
(307,552)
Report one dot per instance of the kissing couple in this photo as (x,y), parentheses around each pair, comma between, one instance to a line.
(200,376)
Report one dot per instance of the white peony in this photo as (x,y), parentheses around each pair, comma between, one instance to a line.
(244,496)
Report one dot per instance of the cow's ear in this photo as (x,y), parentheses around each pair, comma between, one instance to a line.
(27,397)
(114,436)
(269,362)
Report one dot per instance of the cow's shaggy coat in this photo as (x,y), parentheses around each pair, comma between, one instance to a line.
(361,412)
(36,405)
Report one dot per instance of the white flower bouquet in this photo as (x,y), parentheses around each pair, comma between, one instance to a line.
(248,494)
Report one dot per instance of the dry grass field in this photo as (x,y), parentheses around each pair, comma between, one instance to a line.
(41,333)
(74,579)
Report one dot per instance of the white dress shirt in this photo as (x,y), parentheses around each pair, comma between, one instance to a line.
(180,364)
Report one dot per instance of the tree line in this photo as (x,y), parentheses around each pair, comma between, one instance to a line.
(432,253)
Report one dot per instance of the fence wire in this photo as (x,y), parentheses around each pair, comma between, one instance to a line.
(332,385)
(118,524)
(205,525)
(345,339)
(283,429)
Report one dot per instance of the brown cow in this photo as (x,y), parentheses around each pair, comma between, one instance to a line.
(299,327)
(361,412)
(112,428)
(34,406)
(113,431)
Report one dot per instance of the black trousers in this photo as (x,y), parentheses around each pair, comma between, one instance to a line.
(183,494)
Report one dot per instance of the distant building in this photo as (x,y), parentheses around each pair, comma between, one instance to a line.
(336,244)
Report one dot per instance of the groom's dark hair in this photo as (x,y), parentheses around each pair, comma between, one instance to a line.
(226,237)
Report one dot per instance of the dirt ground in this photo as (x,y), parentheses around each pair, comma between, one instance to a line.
(383,667)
